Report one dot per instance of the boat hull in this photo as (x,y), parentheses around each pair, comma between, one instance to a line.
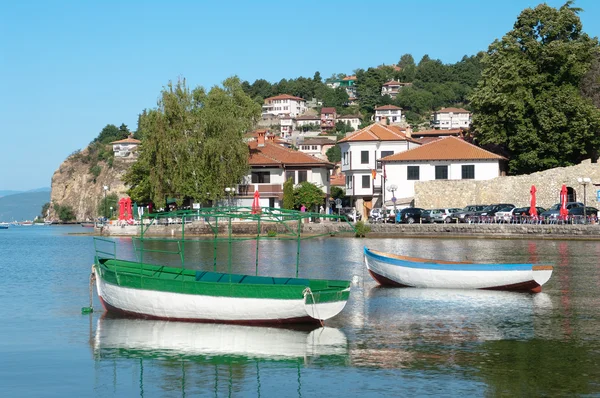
(217,302)
(391,270)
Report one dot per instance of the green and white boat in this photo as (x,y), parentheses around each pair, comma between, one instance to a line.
(157,291)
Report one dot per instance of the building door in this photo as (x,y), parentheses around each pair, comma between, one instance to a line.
(571,195)
(367,206)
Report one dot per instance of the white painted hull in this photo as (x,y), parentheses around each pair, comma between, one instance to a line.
(384,270)
(192,307)
(185,338)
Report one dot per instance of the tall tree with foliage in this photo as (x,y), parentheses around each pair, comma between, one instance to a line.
(528,100)
(308,194)
(193,146)
(334,154)
(288,194)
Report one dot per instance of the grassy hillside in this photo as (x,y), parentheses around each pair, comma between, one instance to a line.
(22,206)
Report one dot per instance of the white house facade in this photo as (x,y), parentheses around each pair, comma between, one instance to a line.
(351,120)
(126,147)
(390,113)
(286,125)
(360,154)
(316,147)
(392,88)
(284,104)
(451,118)
(448,158)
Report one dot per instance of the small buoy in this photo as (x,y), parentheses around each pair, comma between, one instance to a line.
(86,310)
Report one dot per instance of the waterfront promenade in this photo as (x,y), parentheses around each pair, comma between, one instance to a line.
(514,231)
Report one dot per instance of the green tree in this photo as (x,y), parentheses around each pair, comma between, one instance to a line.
(334,154)
(64,213)
(288,194)
(111,133)
(45,209)
(337,193)
(104,205)
(308,194)
(193,145)
(528,100)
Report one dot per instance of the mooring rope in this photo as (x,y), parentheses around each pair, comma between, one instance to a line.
(315,309)
(92,281)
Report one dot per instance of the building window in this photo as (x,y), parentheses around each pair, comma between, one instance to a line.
(345,158)
(349,182)
(302,176)
(366,181)
(386,153)
(441,172)
(412,173)
(261,177)
(468,172)
(292,175)
(364,157)
(314,148)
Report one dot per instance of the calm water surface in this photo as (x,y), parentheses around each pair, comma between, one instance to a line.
(387,341)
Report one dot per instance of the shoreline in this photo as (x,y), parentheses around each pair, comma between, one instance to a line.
(379,231)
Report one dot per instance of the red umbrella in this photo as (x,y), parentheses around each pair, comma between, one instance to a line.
(532,209)
(255,203)
(563,203)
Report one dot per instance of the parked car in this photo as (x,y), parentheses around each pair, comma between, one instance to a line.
(577,214)
(516,213)
(490,211)
(426,216)
(552,213)
(350,213)
(467,211)
(409,215)
(378,215)
(443,215)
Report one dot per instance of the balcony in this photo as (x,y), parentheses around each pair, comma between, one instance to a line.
(265,190)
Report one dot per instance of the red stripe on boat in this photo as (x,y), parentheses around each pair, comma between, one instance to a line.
(383,281)
(532,286)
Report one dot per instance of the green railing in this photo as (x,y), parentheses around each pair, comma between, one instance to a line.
(219,222)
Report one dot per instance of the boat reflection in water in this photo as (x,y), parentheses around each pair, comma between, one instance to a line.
(397,321)
(197,359)
(213,339)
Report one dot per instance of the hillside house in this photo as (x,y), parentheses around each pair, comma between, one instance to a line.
(126,148)
(284,104)
(392,88)
(451,118)
(328,118)
(389,113)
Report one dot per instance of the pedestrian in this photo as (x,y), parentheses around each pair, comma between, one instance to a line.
(303,208)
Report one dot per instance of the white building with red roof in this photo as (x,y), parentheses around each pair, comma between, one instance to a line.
(126,147)
(271,165)
(448,158)
(389,113)
(392,88)
(451,118)
(328,118)
(284,104)
(361,151)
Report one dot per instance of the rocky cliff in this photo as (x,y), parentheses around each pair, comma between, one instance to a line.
(74,185)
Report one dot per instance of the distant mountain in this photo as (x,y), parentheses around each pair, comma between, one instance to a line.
(6,193)
(22,206)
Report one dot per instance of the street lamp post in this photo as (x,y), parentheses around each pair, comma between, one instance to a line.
(392,188)
(584,181)
(230,191)
(105,189)
(111,211)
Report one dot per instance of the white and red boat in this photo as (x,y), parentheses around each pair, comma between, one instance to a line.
(402,271)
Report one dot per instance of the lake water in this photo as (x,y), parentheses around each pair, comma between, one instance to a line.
(387,341)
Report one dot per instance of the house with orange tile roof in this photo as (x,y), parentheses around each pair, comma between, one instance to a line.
(316,146)
(448,158)
(126,148)
(283,104)
(271,165)
(451,118)
(389,113)
(328,118)
(361,151)
(392,88)
(426,136)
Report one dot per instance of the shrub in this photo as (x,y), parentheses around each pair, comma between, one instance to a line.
(361,229)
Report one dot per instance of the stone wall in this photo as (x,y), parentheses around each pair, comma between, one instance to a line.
(513,189)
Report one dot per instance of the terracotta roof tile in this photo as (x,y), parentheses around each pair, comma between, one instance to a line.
(447,148)
(353,77)
(284,96)
(386,107)
(436,133)
(128,140)
(378,132)
(453,110)
(338,180)
(308,117)
(275,155)
(317,141)
(327,110)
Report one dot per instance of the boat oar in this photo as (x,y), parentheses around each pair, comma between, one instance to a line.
(90,309)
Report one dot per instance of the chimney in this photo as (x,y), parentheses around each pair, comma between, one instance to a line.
(261,138)
(272,137)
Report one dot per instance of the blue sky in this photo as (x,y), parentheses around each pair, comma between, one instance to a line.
(68,68)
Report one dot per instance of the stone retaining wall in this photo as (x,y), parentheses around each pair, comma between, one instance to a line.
(513,189)
(551,231)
